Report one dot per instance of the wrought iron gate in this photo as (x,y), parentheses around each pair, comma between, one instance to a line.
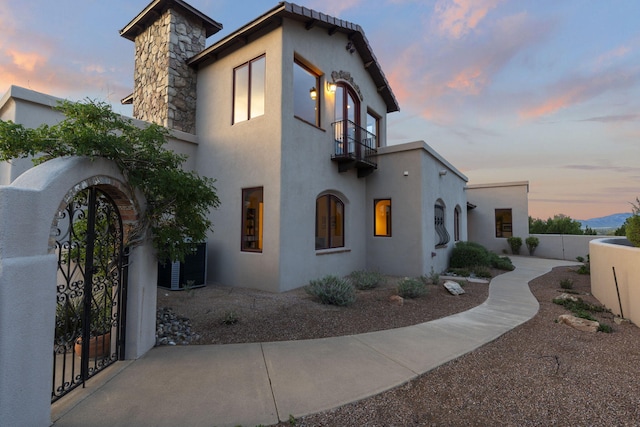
(91,290)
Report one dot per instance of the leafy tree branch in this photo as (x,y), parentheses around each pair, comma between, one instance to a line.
(178,201)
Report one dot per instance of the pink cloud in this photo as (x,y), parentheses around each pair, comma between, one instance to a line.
(26,61)
(574,90)
(456,18)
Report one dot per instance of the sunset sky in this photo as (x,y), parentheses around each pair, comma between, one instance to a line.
(544,91)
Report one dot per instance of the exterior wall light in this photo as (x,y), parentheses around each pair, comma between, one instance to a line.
(443,172)
(313,93)
(331,87)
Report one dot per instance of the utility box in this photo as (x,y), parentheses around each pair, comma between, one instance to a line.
(191,273)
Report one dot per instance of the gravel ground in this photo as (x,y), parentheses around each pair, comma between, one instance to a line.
(541,373)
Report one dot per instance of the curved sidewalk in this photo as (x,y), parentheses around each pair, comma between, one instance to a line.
(252,384)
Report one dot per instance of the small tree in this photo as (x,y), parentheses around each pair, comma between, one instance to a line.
(178,201)
(532,243)
(632,225)
(515,243)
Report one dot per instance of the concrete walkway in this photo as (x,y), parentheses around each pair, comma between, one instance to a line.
(251,384)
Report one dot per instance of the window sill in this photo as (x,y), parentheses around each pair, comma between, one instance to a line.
(309,123)
(331,251)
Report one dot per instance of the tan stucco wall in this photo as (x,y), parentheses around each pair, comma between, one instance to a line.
(606,255)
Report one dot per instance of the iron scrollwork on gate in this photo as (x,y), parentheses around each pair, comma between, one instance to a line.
(89,329)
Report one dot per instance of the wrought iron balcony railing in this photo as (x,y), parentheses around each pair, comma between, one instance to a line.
(354,146)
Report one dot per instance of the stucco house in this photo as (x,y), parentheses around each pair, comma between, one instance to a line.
(289,115)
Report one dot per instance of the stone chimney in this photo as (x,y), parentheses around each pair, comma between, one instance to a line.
(166,34)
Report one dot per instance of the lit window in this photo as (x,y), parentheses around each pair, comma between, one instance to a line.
(248,90)
(252,219)
(382,217)
(442,235)
(305,106)
(329,222)
(504,223)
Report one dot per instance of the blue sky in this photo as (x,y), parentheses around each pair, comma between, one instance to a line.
(507,90)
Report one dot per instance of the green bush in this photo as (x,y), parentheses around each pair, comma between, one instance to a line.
(566,284)
(481,271)
(632,228)
(500,262)
(411,288)
(515,243)
(532,243)
(364,280)
(432,278)
(332,290)
(469,255)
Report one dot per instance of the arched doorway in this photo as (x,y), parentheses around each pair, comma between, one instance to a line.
(91,289)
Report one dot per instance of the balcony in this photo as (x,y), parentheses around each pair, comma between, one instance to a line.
(355,147)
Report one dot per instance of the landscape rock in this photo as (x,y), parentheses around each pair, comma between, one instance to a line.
(579,323)
(454,288)
(565,296)
(396,300)
(172,329)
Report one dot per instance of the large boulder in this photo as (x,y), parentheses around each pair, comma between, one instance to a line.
(579,323)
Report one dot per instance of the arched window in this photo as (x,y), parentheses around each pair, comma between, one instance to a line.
(329,222)
(442,235)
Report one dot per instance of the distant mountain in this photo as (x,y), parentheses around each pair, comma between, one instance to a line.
(609,221)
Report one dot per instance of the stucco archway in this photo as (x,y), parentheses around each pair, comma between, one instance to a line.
(28,280)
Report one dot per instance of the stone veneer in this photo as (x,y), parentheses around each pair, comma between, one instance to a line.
(165,86)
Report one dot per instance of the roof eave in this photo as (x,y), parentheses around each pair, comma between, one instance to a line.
(311,18)
(157,7)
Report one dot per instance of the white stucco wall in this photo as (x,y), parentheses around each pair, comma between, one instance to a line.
(559,246)
(28,284)
(488,198)
(411,250)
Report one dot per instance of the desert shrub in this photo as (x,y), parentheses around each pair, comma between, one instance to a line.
(332,290)
(468,255)
(586,267)
(230,318)
(603,327)
(364,280)
(566,284)
(481,271)
(532,243)
(432,278)
(515,243)
(411,288)
(500,262)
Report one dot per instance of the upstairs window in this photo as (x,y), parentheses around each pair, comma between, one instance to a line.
(252,219)
(442,235)
(382,217)
(248,90)
(373,127)
(329,222)
(306,94)
(504,223)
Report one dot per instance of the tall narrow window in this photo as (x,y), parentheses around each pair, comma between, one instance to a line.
(373,129)
(347,117)
(456,224)
(252,219)
(329,222)
(248,90)
(442,235)
(504,223)
(382,217)
(306,94)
